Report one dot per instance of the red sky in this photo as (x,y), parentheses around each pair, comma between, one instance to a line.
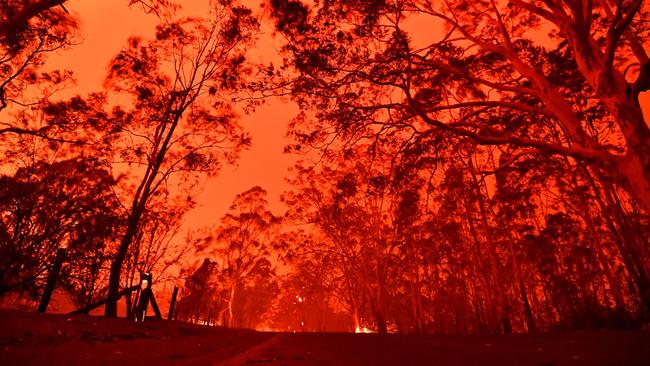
(104,28)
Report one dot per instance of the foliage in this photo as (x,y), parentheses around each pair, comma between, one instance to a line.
(43,209)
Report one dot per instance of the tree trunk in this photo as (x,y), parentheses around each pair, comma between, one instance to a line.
(140,199)
(634,172)
(118,261)
(381,322)
(87,309)
(613,90)
(231,300)
(625,242)
(501,297)
(52,278)
(129,306)
(599,249)
(172,304)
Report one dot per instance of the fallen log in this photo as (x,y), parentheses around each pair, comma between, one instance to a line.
(95,305)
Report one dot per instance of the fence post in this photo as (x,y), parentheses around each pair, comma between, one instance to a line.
(143,301)
(170,315)
(52,277)
(154,304)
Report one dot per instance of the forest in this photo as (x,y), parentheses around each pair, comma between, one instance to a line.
(461,166)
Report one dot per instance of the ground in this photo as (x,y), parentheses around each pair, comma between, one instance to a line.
(37,339)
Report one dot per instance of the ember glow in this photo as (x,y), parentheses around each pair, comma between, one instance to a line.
(362,330)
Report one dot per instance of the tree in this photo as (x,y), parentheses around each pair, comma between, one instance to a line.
(179,125)
(28,34)
(199,295)
(306,300)
(17,15)
(157,248)
(478,243)
(364,210)
(359,65)
(237,284)
(241,246)
(67,204)
(255,297)
(463,107)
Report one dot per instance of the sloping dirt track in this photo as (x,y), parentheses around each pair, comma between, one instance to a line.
(34,339)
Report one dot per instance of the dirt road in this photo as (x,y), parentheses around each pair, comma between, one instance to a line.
(603,348)
(32,339)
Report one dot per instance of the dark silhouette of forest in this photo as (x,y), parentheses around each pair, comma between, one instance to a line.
(489,174)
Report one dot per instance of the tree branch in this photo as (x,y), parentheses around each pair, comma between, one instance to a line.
(22,17)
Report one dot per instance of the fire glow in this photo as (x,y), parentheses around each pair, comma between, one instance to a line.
(359,329)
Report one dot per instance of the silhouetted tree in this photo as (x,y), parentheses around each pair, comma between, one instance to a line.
(28,34)
(179,125)
(362,68)
(198,296)
(241,245)
(67,204)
